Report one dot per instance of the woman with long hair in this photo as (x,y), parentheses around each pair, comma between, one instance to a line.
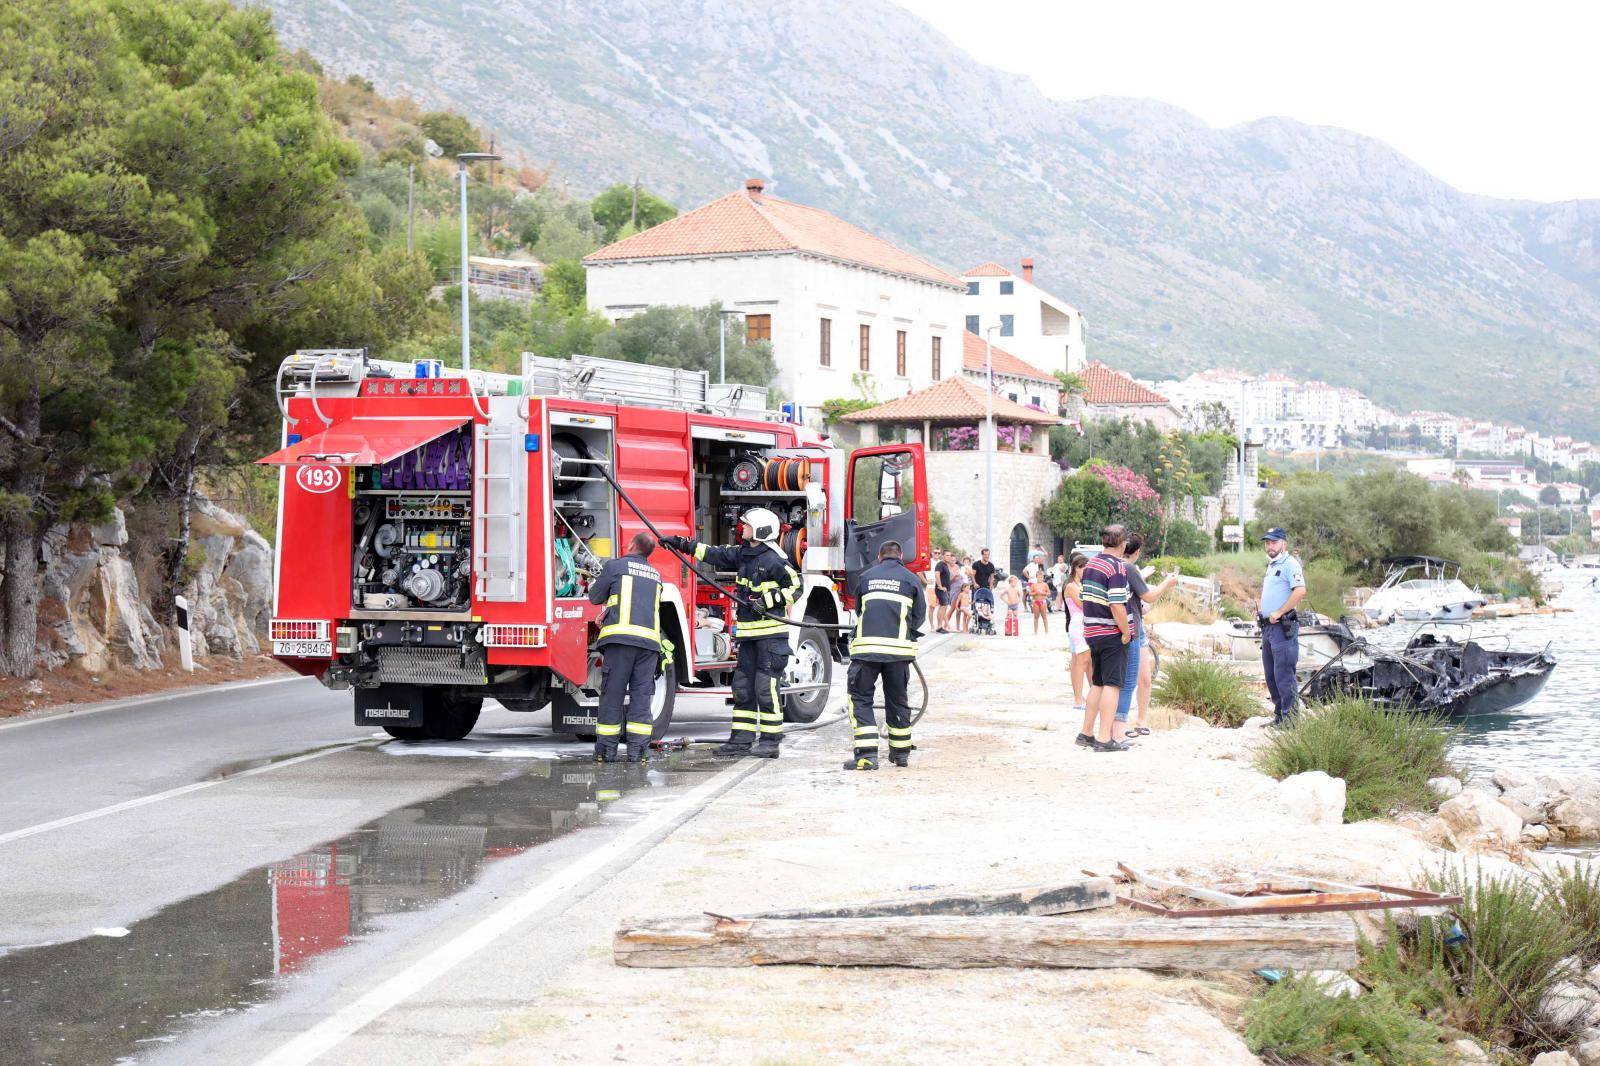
(1077,647)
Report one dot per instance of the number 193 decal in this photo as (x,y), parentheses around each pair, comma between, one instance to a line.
(318,477)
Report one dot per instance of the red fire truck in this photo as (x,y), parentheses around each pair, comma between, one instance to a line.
(438,530)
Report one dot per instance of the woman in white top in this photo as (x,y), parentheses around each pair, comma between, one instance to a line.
(1071,598)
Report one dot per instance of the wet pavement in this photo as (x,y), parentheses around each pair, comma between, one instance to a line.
(113,995)
(182,866)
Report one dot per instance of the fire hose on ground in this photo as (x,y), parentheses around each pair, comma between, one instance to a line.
(693,564)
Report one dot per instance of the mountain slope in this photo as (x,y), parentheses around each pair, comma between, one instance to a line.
(1273,243)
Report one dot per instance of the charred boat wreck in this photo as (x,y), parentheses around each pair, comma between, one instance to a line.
(1434,675)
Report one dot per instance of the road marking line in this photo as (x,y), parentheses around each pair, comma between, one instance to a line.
(329,1033)
(183,790)
(154,697)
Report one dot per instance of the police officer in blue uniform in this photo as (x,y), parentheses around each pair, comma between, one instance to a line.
(767,585)
(1281,592)
(890,611)
(630,649)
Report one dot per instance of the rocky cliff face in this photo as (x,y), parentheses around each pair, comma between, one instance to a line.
(1270,244)
(95,609)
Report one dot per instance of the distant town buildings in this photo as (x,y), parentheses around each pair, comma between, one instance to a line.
(1041,328)
(1289,415)
(848,313)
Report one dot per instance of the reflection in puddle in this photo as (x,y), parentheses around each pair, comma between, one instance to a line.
(102,998)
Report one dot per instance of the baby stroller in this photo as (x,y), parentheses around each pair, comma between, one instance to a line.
(983,611)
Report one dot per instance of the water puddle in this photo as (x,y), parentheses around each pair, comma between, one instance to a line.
(107,997)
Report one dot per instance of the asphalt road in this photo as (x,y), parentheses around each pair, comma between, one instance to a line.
(234,874)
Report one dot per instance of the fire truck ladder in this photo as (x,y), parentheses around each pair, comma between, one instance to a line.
(499,489)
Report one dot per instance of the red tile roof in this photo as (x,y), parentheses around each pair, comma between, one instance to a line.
(1102,385)
(988,270)
(955,399)
(972,357)
(750,221)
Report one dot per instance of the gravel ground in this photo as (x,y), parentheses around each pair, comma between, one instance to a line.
(997,795)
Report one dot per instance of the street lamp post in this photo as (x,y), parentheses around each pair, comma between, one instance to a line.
(464,160)
(722,344)
(989,443)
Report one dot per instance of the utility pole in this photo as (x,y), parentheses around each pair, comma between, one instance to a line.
(1244,438)
(989,440)
(464,160)
(411,206)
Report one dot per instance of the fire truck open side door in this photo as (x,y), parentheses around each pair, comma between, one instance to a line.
(886,498)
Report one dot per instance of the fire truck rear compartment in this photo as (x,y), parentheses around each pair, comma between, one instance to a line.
(412,532)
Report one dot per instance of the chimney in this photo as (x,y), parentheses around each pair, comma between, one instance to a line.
(753,188)
(1027,271)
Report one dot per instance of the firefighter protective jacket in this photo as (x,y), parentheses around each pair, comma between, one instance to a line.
(764,577)
(890,609)
(631,590)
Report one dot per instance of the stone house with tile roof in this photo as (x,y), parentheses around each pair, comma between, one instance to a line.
(1111,394)
(1015,379)
(849,314)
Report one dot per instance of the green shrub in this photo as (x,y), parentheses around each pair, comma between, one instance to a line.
(1188,567)
(1385,758)
(1488,982)
(1576,891)
(1207,689)
(1295,1021)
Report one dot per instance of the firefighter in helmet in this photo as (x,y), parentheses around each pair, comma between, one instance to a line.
(630,647)
(890,610)
(767,585)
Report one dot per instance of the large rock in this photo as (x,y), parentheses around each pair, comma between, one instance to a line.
(1578,816)
(1466,1052)
(1507,779)
(1569,1006)
(1315,797)
(1528,813)
(1445,787)
(1554,1058)
(1474,816)
(1587,1051)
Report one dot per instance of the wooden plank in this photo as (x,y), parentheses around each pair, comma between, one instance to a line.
(944,942)
(1086,893)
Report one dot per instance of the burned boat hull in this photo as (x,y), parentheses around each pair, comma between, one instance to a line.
(1433,676)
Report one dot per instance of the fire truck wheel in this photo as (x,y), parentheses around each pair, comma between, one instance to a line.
(450,719)
(811,664)
(666,697)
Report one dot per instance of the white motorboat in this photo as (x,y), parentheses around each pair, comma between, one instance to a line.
(1422,588)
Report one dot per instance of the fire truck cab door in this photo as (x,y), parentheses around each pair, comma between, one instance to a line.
(886,498)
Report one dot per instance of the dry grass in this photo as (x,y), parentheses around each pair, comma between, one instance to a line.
(1173,608)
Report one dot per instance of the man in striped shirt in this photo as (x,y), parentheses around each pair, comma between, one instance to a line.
(1107,629)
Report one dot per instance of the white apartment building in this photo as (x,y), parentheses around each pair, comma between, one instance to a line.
(848,313)
(1040,328)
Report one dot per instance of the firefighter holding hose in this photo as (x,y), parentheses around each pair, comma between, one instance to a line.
(891,609)
(767,585)
(630,646)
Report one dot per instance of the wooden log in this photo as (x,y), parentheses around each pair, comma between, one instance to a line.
(945,942)
(1086,893)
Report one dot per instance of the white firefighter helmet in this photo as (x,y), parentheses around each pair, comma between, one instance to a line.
(763,525)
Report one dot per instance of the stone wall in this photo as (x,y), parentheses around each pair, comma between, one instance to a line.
(1022,482)
(96,606)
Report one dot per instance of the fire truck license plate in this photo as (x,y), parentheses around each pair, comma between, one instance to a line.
(304,649)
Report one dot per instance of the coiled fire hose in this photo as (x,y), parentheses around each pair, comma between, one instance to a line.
(693,564)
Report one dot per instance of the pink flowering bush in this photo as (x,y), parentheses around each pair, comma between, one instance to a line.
(1134,503)
(968,438)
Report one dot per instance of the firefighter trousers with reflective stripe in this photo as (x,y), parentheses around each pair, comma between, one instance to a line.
(757,707)
(862,683)
(627,674)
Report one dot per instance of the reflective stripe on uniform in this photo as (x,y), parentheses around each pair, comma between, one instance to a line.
(623,626)
(637,728)
(603,730)
(900,736)
(745,720)
(900,649)
(906,743)
(760,627)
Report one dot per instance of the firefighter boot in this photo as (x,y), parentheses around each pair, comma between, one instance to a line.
(900,756)
(605,751)
(638,751)
(767,746)
(862,760)
(732,748)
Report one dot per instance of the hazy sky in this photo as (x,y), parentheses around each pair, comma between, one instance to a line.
(1495,98)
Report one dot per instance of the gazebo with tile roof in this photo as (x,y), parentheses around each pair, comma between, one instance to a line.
(1025,475)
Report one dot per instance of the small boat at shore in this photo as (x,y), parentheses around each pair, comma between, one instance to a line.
(1422,588)
(1434,674)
